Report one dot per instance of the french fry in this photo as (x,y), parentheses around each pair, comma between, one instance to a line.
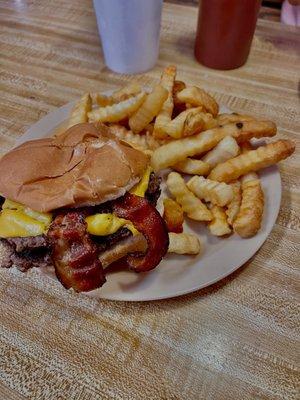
(178,87)
(192,166)
(178,107)
(183,243)
(173,215)
(219,225)
(148,110)
(171,153)
(189,122)
(191,205)
(80,111)
(233,207)
(198,97)
(253,160)
(102,100)
(209,122)
(208,190)
(118,111)
(149,128)
(119,95)
(165,114)
(227,148)
(234,117)
(126,92)
(185,124)
(140,142)
(249,218)
(246,146)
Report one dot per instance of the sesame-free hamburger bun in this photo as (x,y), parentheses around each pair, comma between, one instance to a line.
(83,166)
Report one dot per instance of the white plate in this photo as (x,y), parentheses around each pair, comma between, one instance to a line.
(177,275)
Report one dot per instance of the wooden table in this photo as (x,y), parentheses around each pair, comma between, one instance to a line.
(234,340)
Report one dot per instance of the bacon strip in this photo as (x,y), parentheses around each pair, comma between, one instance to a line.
(147,221)
(74,255)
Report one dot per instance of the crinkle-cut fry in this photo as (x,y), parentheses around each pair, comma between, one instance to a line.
(148,110)
(193,123)
(253,129)
(246,146)
(80,111)
(191,205)
(184,243)
(140,142)
(233,207)
(186,123)
(203,120)
(209,122)
(178,86)
(102,100)
(127,91)
(253,160)
(198,97)
(192,166)
(173,215)
(219,225)
(189,122)
(178,107)
(249,218)
(117,111)
(234,117)
(171,153)
(252,198)
(227,148)
(165,114)
(119,95)
(218,193)
(149,128)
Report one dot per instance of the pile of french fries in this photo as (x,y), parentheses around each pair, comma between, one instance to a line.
(212,163)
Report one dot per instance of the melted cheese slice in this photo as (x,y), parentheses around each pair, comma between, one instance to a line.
(45,218)
(106,224)
(140,188)
(14,223)
(17,220)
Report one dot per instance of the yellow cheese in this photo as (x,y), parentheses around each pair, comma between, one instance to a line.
(12,205)
(17,220)
(46,218)
(14,223)
(106,224)
(140,188)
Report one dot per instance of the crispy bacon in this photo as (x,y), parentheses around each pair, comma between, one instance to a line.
(148,221)
(74,255)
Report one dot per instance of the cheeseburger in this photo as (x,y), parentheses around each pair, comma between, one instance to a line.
(77,203)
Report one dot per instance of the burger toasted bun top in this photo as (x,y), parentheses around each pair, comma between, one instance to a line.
(83,166)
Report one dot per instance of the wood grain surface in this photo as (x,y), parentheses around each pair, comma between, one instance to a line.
(270,9)
(238,339)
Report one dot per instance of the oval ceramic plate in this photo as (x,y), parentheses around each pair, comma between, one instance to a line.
(177,275)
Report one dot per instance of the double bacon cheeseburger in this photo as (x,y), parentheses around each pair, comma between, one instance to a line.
(78,203)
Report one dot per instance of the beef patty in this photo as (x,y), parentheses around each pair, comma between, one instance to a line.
(25,253)
(153,191)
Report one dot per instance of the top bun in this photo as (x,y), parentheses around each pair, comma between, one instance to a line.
(83,166)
